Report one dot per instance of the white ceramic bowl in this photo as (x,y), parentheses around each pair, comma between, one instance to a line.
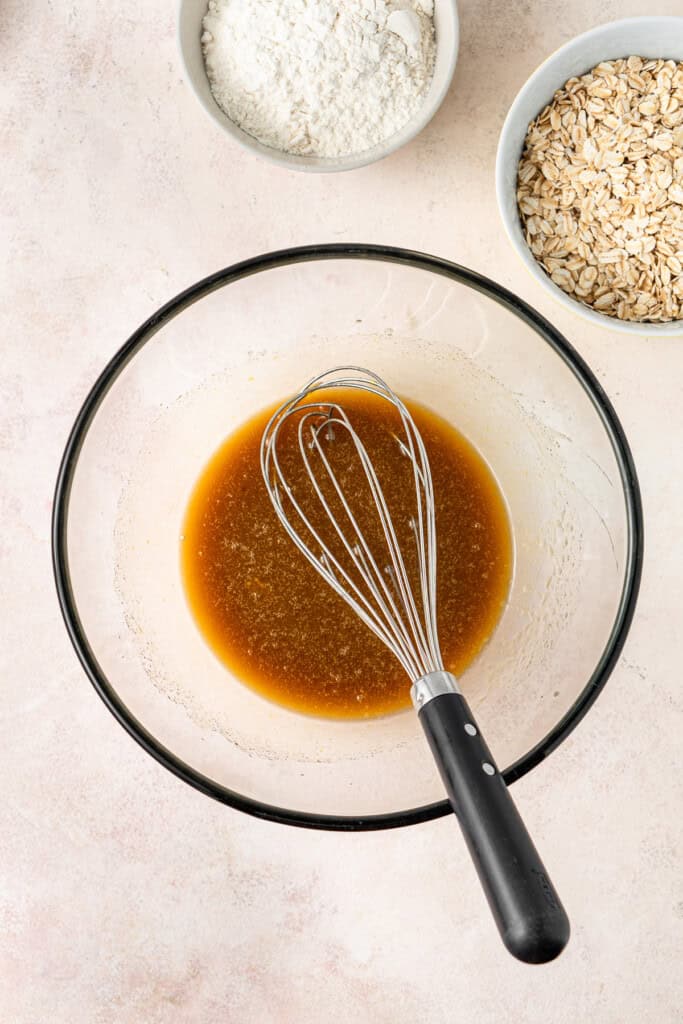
(644,37)
(190,14)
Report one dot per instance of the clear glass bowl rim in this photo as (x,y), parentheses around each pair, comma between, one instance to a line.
(345,251)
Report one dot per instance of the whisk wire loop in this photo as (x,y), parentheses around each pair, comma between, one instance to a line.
(396,571)
(383,596)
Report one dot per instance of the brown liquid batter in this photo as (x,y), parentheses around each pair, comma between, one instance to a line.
(278,626)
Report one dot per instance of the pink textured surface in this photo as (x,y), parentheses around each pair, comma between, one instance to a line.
(124,895)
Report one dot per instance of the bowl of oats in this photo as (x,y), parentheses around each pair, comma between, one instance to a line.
(589,175)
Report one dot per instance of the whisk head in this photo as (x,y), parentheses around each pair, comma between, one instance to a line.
(351,538)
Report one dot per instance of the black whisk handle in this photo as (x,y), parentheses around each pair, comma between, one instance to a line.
(530,917)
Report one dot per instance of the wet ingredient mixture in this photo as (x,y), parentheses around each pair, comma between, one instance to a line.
(279,627)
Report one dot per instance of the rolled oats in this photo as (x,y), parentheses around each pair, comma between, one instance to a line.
(600,189)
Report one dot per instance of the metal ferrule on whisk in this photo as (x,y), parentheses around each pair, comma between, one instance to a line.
(434,684)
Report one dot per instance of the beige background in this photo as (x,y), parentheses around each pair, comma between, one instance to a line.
(127,897)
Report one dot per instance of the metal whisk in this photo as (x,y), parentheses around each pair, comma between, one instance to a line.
(397,601)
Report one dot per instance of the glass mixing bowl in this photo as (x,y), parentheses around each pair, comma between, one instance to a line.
(253,334)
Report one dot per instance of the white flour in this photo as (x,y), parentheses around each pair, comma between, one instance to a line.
(319,77)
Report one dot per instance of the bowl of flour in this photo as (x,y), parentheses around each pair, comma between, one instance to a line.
(319,85)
